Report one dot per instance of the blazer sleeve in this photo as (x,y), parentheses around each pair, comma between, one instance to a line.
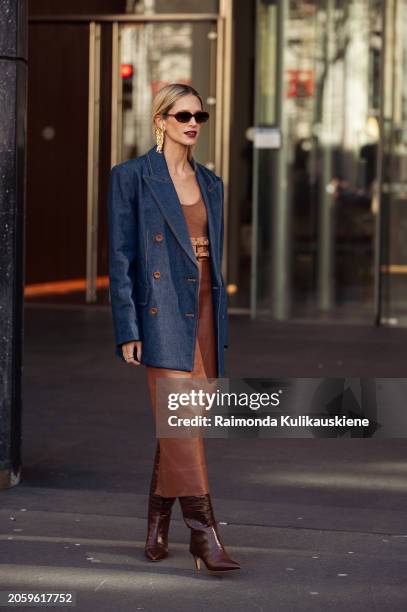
(225,300)
(122,256)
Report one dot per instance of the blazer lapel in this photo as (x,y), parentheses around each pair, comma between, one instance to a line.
(162,187)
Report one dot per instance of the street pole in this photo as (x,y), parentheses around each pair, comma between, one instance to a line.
(13,88)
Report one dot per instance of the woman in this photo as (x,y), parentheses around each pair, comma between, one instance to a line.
(169,301)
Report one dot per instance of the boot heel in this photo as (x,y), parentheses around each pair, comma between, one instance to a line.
(205,543)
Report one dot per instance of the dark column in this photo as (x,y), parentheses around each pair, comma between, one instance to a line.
(13,86)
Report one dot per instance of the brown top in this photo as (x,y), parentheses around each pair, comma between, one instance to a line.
(196,218)
(197,221)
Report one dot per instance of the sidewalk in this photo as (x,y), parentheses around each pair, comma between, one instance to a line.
(317,524)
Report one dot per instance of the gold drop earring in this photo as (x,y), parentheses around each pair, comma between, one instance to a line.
(159,135)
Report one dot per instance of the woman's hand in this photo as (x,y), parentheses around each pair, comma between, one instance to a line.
(129,348)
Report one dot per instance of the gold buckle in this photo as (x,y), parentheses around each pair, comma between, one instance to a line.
(199,244)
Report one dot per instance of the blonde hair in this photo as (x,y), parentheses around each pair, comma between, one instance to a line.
(165,99)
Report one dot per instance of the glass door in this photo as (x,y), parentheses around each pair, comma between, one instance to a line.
(315,143)
(149,56)
(392,271)
(145,56)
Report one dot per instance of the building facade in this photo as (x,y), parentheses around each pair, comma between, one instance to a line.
(308,130)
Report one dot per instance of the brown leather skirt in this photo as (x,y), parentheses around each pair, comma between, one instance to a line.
(182,464)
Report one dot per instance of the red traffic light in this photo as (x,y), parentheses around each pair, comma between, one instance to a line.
(126,71)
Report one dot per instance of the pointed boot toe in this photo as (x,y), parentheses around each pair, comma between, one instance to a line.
(156,552)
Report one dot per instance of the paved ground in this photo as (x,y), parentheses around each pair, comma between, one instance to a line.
(317,524)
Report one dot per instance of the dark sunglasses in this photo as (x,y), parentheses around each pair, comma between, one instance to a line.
(185,116)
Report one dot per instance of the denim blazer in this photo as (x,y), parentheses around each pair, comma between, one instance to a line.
(148,233)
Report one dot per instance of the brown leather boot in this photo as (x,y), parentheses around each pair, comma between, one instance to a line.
(205,543)
(159,516)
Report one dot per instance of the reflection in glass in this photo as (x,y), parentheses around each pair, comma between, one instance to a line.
(393,252)
(317,195)
(153,55)
(172,6)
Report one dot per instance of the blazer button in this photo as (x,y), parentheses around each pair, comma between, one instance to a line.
(158,237)
(157,274)
(153,310)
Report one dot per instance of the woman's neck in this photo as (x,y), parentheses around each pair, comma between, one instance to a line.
(176,156)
